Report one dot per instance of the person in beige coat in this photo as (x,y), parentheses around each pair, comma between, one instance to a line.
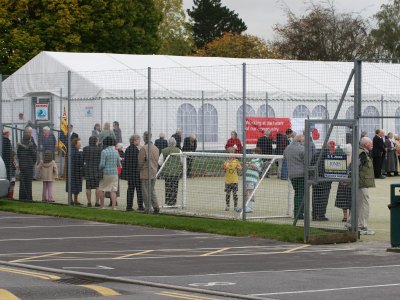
(48,172)
(144,173)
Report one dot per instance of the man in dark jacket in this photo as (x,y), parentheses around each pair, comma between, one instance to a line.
(130,172)
(265,143)
(190,145)
(161,143)
(178,138)
(7,153)
(378,152)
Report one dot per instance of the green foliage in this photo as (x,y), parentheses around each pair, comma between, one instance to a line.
(239,46)
(176,36)
(323,34)
(118,26)
(387,34)
(210,20)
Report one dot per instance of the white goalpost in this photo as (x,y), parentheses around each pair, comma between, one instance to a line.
(195,184)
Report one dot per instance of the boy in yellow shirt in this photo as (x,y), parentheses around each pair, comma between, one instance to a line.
(231,167)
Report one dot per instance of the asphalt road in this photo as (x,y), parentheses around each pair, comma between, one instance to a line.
(237,265)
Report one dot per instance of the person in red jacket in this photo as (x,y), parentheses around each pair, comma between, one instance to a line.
(234,142)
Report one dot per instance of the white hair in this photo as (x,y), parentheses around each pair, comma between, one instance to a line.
(171,142)
(46,128)
(365,140)
(298,138)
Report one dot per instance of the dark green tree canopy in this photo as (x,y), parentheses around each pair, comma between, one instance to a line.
(119,26)
(323,34)
(387,33)
(211,20)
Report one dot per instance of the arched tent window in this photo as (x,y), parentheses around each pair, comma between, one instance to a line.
(262,111)
(397,121)
(321,113)
(187,119)
(250,112)
(210,123)
(349,116)
(300,113)
(370,125)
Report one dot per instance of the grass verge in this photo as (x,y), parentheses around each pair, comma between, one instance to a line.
(285,233)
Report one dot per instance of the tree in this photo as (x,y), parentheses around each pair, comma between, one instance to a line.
(237,45)
(387,34)
(30,26)
(323,34)
(176,36)
(210,20)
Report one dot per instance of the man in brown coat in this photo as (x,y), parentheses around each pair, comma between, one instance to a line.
(144,173)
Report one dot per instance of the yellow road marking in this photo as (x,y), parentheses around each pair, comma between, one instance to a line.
(134,254)
(104,291)
(32,274)
(184,296)
(215,252)
(34,257)
(6,295)
(296,248)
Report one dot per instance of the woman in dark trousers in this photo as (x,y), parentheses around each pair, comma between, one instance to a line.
(76,170)
(26,154)
(91,161)
(130,172)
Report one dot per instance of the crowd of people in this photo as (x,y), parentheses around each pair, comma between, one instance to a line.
(103,163)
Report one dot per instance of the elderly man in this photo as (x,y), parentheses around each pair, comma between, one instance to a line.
(378,153)
(178,138)
(48,140)
(264,143)
(190,145)
(145,175)
(294,155)
(117,132)
(366,181)
(161,143)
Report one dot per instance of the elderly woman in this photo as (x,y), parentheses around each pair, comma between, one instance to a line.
(48,140)
(107,132)
(76,170)
(172,171)
(26,154)
(91,161)
(234,142)
(391,157)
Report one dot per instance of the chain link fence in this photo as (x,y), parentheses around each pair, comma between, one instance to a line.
(202,108)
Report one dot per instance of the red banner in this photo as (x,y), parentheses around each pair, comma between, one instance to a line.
(255,127)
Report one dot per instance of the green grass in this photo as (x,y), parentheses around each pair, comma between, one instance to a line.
(285,233)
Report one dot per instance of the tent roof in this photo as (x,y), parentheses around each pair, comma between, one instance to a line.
(117,75)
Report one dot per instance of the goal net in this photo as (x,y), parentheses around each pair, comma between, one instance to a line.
(211,184)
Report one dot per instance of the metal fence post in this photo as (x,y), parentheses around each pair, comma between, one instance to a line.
(244,111)
(59,150)
(69,141)
(134,111)
(203,120)
(356,134)
(149,139)
(382,114)
(101,112)
(266,105)
(306,182)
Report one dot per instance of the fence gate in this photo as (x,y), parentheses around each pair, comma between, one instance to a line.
(329,182)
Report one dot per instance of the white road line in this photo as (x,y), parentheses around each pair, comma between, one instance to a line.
(281,271)
(35,217)
(57,226)
(172,256)
(329,290)
(98,237)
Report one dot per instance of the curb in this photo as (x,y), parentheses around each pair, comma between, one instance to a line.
(132,281)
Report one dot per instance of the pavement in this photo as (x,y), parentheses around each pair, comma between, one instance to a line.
(150,263)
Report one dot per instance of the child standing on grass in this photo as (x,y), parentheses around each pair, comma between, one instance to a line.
(253,170)
(48,172)
(231,167)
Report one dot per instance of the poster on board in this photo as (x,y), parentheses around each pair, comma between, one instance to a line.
(42,111)
(255,127)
